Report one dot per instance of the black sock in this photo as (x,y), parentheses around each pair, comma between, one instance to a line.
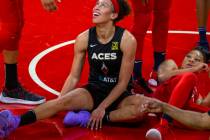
(28,118)
(168,118)
(106,118)
(137,71)
(202,34)
(159,57)
(11,80)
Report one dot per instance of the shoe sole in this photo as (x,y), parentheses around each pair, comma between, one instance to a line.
(9,100)
(153,134)
(152,82)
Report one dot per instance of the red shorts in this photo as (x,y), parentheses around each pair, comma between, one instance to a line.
(11,23)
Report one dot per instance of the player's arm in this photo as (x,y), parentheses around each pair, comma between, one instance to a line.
(50,5)
(168,74)
(191,119)
(78,62)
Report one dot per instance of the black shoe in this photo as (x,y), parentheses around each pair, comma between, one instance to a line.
(153,79)
(21,96)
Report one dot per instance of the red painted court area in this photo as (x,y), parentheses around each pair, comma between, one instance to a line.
(43,30)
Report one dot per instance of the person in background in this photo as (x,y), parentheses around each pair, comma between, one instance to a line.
(143,10)
(11,24)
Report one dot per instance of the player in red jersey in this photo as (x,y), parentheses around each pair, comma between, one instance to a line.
(11,24)
(178,87)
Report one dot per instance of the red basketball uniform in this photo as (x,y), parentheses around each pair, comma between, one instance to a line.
(11,23)
(142,20)
(181,91)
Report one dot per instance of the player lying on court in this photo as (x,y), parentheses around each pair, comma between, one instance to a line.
(179,87)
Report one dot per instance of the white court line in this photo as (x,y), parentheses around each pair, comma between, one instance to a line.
(34,62)
(181,32)
(36,59)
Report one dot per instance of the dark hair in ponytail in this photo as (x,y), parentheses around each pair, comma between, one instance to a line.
(124,10)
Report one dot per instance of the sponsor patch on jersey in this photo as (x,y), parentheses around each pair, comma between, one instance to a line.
(115,46)
(108,79)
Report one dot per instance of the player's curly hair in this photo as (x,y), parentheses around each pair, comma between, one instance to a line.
(205,53)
